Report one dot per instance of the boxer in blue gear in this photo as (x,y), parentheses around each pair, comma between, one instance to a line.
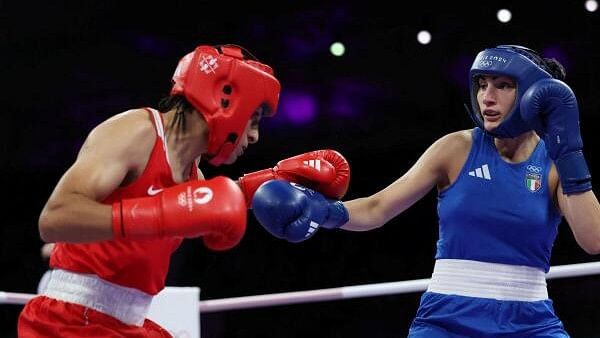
(503,188)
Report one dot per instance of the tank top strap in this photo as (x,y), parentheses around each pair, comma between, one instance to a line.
(160,129)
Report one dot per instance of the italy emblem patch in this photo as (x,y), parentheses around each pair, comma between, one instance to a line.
(533,178)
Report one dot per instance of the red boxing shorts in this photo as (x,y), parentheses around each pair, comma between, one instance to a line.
(47,317)
(83,305)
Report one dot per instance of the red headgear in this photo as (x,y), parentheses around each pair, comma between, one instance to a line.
(226,88)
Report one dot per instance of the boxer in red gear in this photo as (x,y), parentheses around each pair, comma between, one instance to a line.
(134,192)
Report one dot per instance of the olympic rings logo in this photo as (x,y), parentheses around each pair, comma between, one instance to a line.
(534,169)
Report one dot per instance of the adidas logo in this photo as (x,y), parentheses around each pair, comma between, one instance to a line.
(312,228)
(313,164)
(482,172)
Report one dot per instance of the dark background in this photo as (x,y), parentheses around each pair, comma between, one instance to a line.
(68,66)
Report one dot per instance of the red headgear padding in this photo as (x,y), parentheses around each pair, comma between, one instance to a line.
(226,88)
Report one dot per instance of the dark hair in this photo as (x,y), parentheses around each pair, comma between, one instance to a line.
(181,106)
(551,65)
(555,68)
(245,53)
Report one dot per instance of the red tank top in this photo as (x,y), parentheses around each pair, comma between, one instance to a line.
(137,264)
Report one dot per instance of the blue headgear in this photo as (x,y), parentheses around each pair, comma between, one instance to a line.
(523,65)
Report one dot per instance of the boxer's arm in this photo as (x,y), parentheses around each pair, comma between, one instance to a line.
(73,213)
(431,168)
(582,212)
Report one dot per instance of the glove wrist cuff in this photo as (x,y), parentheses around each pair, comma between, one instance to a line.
(338,215)
(117,220)
(574,173)
(249,183)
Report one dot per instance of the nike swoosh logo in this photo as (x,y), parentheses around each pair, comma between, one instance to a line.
(152,191)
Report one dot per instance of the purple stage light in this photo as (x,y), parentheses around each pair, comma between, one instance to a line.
(349,96)
(298,107)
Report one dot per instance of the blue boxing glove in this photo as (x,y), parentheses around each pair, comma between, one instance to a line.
(549,107)
(295,213)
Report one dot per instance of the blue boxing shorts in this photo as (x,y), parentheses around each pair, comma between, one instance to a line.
(451,316)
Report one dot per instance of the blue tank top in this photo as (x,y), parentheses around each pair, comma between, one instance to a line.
(497,211)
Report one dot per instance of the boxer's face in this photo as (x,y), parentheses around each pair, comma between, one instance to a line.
(496,97)
(250,136)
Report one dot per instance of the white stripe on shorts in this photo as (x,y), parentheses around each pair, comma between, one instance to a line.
(126,304)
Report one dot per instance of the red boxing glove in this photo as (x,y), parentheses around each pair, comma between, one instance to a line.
(326,171)
(214,209)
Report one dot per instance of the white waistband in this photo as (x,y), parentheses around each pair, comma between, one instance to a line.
(126,304)
(488,280)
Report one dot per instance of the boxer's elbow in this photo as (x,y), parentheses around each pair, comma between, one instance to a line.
(593,248)
(49,224)
(590,244)
(45,227)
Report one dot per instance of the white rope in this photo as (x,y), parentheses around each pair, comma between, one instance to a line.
(339,293)
(573,270)
(346,292)
(14,297)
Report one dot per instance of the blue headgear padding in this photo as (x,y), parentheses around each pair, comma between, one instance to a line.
(521,64)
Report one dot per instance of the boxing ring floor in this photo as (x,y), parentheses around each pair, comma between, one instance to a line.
(332,294)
